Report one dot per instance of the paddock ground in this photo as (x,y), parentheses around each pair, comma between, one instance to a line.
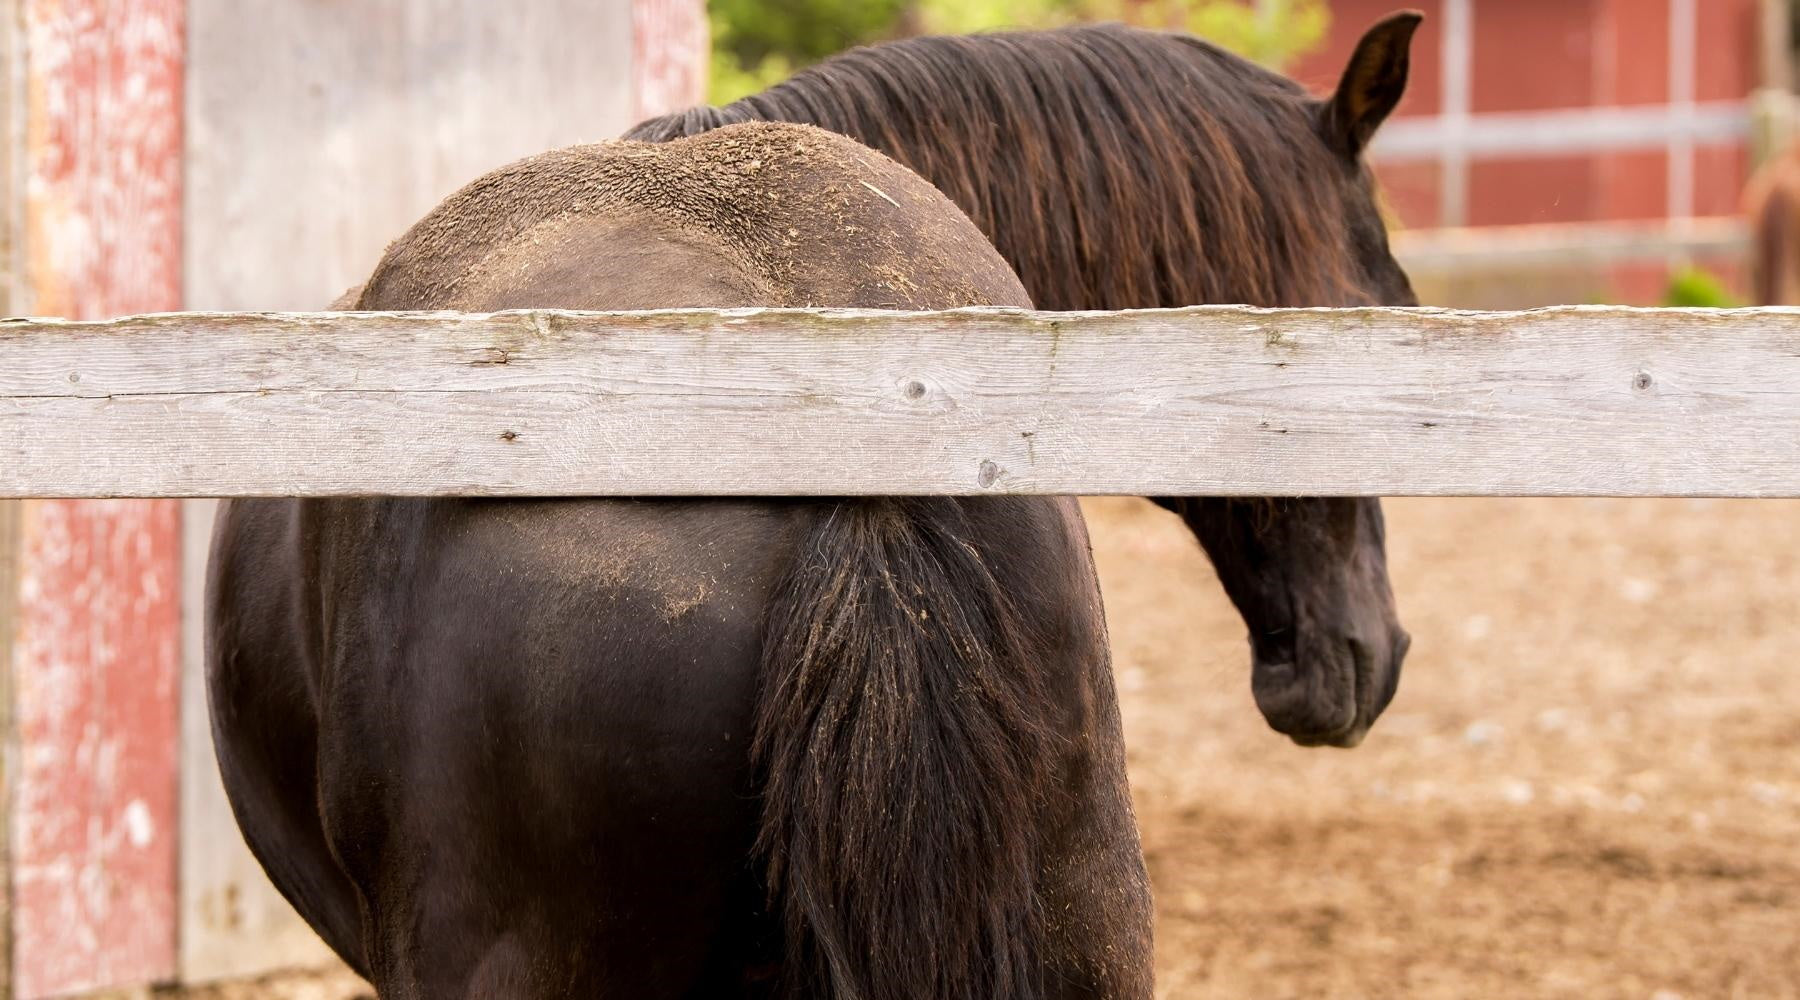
(1588,786)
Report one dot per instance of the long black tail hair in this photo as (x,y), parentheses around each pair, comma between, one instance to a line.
(905,751)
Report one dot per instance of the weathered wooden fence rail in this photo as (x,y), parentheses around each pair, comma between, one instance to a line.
(1572,401)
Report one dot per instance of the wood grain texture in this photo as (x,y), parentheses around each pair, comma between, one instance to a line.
(319,130)
(1573,401)
(12,155)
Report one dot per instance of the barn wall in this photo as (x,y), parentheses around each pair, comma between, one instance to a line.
(1693,61)
(1635,111)
(314,139)
(669,56)
(9,756)
(318,135)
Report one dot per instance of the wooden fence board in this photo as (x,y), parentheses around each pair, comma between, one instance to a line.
(1572,401)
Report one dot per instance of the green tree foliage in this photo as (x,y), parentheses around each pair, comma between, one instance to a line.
(757,43)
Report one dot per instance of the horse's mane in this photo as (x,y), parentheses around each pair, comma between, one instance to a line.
(1113,167)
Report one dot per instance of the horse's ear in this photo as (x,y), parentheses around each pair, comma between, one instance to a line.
(1372,85)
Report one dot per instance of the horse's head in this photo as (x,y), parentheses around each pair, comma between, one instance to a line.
(1310,575)
(1310,578)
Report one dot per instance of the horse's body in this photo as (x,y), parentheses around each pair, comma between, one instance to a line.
(1116,168)
(685,748)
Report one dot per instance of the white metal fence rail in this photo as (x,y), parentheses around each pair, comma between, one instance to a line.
(1569,401)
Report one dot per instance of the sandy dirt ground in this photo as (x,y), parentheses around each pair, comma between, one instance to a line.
(1588,786)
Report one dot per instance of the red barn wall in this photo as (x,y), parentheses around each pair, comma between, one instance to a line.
(1558,56)
(1543,84)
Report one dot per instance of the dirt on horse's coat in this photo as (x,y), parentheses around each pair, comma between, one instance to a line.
(1119,168)
(861,748)
(780,207)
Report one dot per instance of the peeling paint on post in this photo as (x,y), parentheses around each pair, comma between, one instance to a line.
(94,641)
(669,55)
(95,667)
(103,140)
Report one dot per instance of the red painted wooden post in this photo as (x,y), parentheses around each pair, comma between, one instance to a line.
(95,660)
(669,55)
(95,655)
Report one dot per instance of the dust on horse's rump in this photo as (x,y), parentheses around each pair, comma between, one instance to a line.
(815,175)
(613,565)
(789,212)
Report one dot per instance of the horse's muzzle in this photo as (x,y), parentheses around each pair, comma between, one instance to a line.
(1330,698)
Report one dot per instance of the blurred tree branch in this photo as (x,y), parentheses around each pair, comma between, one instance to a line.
(757,43)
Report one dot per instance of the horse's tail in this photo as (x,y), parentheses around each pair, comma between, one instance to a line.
(905,748)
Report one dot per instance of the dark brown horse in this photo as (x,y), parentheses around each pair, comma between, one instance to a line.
(1118,168)
(860,748)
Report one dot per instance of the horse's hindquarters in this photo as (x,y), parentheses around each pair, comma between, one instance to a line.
(502,748)
(532,724)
